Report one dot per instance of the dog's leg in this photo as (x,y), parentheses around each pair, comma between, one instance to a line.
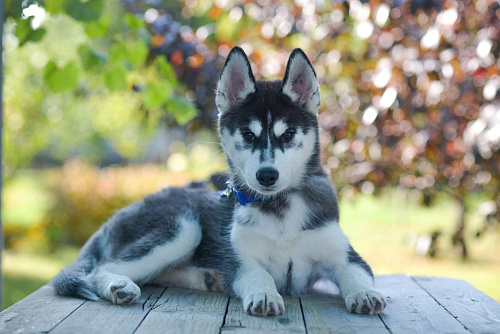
(256,288)
(116,280)
(356,287)
(344,266)
(118,289)
(355,280)
(190,277)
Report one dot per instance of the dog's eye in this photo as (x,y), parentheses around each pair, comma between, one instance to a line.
(288,135)
(249,135)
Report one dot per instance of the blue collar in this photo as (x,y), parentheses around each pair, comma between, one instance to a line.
(240,196)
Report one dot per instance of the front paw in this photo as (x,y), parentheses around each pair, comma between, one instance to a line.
(365,302)
(264,304)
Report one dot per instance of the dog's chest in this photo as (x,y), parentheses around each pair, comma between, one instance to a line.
(277,244)
(288,263)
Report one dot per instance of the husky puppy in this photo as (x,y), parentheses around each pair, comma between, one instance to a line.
(275,231)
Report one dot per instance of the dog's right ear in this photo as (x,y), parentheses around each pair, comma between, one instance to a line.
(300,83)
(236,81)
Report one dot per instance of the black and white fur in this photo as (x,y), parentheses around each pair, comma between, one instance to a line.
(194,238)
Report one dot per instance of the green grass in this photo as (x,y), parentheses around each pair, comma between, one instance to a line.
(23,273)
(381,229)
(16,287)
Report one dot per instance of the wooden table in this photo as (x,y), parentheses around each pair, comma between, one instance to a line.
(414,305)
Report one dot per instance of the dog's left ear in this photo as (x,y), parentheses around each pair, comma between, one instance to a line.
(300,83)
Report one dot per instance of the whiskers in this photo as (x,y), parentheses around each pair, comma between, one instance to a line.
(216,152)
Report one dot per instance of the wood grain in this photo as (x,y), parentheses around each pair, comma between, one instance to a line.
(186,311)
(103,316)
(416,305)
(328,314)
(478,312)
(411,310)
(39,312)
(291,321)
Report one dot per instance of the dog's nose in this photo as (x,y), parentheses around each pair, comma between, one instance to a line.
(267,176)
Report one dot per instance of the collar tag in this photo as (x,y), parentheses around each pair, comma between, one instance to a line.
(226,193)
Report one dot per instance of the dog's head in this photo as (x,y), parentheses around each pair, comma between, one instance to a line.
(268,129)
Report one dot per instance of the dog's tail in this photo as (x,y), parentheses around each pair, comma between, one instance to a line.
(73,281)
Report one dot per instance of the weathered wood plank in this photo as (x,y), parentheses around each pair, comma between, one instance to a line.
(478,312)
(186,311)
(103,316)
(420,305)
(328,314)
(411,310)
(39,312)
(291,321)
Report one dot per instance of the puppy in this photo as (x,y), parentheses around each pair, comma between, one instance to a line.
(274,231)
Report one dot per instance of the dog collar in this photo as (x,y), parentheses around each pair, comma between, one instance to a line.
(242,198)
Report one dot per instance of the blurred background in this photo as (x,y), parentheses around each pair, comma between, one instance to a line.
(106,101)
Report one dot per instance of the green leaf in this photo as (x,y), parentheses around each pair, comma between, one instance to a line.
(134,22)
(137,53)
(115,78)
(37,35)
(53,6)
(60,79)
(84,11)
(13,8)
(89,57)
(182,109)
(166,69)
(155,96)
(97,29)
(117,53)
(25,33)
(23,30)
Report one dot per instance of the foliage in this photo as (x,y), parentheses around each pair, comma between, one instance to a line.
(78,74)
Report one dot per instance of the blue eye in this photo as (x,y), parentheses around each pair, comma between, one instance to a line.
(249,135)
(288,135)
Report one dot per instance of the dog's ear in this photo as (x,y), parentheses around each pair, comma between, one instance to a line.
(236,81)
(300,83)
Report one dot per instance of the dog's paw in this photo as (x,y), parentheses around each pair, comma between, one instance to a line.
(264,304)
(365,302)
(213,281)
(123,292)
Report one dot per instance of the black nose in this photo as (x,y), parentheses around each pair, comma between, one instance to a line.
(267,176)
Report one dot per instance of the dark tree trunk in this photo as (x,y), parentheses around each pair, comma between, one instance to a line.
(459,236)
